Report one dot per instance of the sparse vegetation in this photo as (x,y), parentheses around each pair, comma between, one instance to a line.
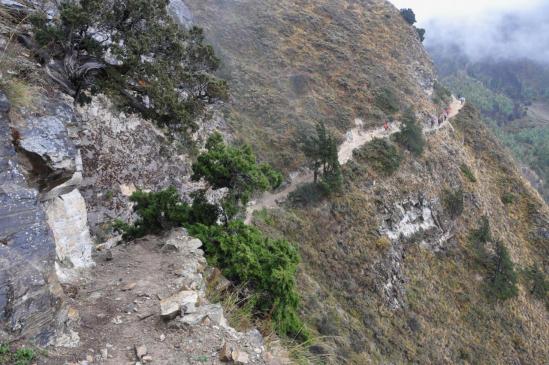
(410,18)
(21,356)
(466,171)
(502,278)
(508,198)
(383,156)
(387,101)
(538,283)
(410,136)
(133,50)
(441,95)
(453,202)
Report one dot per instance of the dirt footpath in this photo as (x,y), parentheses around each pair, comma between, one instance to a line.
(117,314)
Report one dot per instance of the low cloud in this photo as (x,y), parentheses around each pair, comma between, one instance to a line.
(505,35)
(503,29)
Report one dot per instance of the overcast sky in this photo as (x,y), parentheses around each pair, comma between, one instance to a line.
(508,29)
(428,9)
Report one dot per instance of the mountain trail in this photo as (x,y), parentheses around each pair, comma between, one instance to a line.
(356,138)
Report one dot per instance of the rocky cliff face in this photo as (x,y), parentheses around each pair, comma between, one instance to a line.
(30,295)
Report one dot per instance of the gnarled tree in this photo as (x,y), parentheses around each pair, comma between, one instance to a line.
(131,49)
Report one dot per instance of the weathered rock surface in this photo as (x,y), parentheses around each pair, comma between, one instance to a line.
(123,152)
(29,291)
(54,164)
(50,155)
(67,219)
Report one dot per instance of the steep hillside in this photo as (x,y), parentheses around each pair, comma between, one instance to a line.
(390,274)
(128,232)
(512,97)
(293,63)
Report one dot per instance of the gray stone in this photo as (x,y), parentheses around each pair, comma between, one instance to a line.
(67,218)
(29,291)
(50,154)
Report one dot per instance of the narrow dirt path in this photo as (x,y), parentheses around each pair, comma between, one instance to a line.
(118,312)
(356,138)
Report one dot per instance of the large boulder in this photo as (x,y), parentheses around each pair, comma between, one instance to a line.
(29,290)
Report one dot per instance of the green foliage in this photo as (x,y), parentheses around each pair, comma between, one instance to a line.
(266,265)
(411,135)
(157,211)
(159,69)
(162,210)
(309,193)
(508,198)
(441,95)
(453,202)
(234,168)
(482,234)
(381,155)
(321,152)
(539,285)
(408,15)
(22,356)
(489,102)
(420,33)
(502,278)
(387,101)
(468,173)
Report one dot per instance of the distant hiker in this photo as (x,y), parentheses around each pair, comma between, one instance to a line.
(386,125)
(462,100)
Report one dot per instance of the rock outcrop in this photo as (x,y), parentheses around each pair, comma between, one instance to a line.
(29,291)
(53,164)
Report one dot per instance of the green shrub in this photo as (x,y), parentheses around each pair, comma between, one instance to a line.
(134,50)
(482,234)
(22,356)
(411,135)
(387,101)
(468,173)
(539,285)
(235,168)
(508,198)
(381,155)
(502,278)
(441,95)
(307,194)
(162,210)
(408,15)
(453,202)
(266,265)
(321,153)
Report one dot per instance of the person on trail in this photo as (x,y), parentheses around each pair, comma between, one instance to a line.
(386,125)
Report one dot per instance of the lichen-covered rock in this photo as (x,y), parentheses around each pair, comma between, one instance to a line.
(29,291)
